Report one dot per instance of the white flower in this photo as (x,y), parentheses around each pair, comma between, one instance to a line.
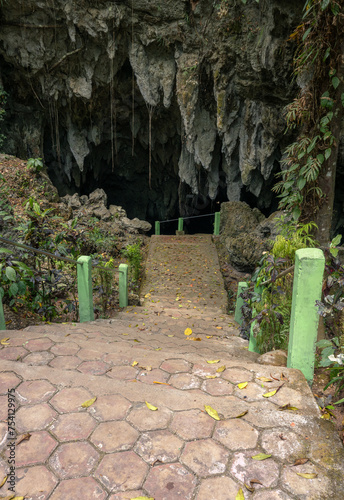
(339,359)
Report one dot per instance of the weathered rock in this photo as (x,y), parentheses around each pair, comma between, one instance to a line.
(98,196)
(238,218)
(245,251)
(136,224)
(274,358)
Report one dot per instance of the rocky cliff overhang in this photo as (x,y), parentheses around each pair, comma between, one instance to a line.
(166,104)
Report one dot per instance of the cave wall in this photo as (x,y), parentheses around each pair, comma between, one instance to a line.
(168,105)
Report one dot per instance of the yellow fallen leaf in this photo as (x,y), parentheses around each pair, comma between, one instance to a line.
(134,363)
(221,369)
(210,376)
(161,383)
(240,495)
(4,341)
(242,385)
(269,394)
(195,338)
(287,407)
(88,403)
(219,327)
(3,481)
(261,456)
(187,331)
(170,335)
(151,407)
(212,361)
(209,336)
(264,379)
(242,414)
(249,488)
(307,475)
(158,349)
(213,413)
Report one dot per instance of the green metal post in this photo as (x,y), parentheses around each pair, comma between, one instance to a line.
(123,285)
(84,269)
(2,317)
(157,227)
(180,224)
(239,301)
(252,345)
(304,319)
(217,224)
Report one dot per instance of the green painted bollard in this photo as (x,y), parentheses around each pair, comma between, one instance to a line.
(252,345)
(304,319)
(217,224)
(84,269)
(2,317)
(180,224)
(123,285)
(239,301)
(157,227)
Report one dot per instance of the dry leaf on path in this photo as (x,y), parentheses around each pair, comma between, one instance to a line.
(88,403)
(240,495)
(160,383)
(187,331)
(213,413)
(211,376)
(249,488)
(255,481)
(151,407)
(300,461)
(195,338)
(242,414)
(287,407)
(269,394)
(221,369)
(212,361)
(23,437)
(242,385)
(134,363)
(261,456)
(3,481)
(264,379)
(5,341)
(306,475)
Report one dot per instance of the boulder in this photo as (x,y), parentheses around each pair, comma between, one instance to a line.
(274,358)
(98,196)
(238,218)
(245,251)
(136,224)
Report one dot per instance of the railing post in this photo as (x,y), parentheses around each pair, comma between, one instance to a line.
(2,317)
(242,285)
(157,227)
(252,344)
(180,224)
(217,224)
(304,319)
(84,271)
(123,285)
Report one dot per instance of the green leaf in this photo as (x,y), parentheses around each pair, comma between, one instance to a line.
(342,97)
(324,343)
(325,4)
(296,213)
(261,456)
(5,250)
(320,159)
(301,183)
(335,81)
(336,240)
(338,402)
(327,53)
(10,273)
(13,289)
(328,153)
(306,33)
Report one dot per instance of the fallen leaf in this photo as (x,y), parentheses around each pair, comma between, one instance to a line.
(158,349)
(240,495)
(23,437)
(283,377)
(209,336)
(11,497)
(161,383)
(195,338)
(274,377)
(255,481)
(210,376)
(242,414)
(213,413)
(306,475)
(269,394)
(187,331)
(249,488)
(212,361)
(151,407)
(261,456)
(242,385)
(300,461)
(264,379)
(135,340)
(287,407)
(134,363)
(5,341)
(219,327)
(88,403)
(3,481)
(170,335)
(221,369)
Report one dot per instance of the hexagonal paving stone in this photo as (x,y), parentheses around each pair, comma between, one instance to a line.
(217,387)
(35,483)
(192,424)
(205,370)
(236,434)
(205,457)
(223,487)
(318,488)
(159,446)
(114,436)
(110,407)
(34,391)
(126,495)
(65,349)
(8,380)
(176,365)
(42,344)
(237,375)
(73,426)
(35,450)
(252,392)
(171,482)
(147,420)
(13,353)
(284,444)
(65,362)
(185,381)
(244,468)
(38,358)
(89,355)
(70,399)
(122,471)
(3,434)
(84,487)
(74,459)
(34,418)
(149,377)
(94,367)
(3,407)
(122,372)
(117,359)
(271,495)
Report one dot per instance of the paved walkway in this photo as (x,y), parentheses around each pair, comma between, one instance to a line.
(118,448)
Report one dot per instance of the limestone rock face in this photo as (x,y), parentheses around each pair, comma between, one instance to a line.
(157,103)
(274,358)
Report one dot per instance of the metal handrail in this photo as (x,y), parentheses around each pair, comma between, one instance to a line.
(190,217)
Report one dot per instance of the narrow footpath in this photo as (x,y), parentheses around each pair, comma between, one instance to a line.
(156,371)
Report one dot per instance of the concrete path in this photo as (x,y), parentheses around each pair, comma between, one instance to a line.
(118,448)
